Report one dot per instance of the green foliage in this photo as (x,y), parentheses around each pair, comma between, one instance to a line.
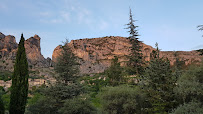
(96,85)
(66,65)
(2,91)
(5,75)
(55,95)
(19,88)
(158,83)
(77,106)
(192,107)
(6,100)
(61,92)
(43,105)
(114,72)
(135,58)
(200,51)
(178,67)
(122,100)
(190,84)
(2,109)
(66,87)
(35,98)
(179,63)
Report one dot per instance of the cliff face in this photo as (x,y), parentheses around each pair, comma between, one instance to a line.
(8,46)
(96,54)
(33,51)
(8,49)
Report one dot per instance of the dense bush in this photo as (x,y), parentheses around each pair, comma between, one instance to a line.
(122,100)
(6,100)
(190,84)
(43,106)
(77,106)
(193,107)
(55,95)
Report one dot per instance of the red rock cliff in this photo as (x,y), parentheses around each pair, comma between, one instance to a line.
(8,49)
(96,53)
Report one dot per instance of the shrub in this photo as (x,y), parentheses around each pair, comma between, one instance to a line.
(77,106)
(189,85)
(43,105)
(122,100)
(189,108)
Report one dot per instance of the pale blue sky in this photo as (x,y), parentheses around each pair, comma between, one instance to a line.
(171,23)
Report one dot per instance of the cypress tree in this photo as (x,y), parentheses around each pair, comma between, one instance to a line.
(2,108)
(136,57)
(19,88)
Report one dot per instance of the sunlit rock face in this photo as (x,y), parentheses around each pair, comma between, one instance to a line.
(96,54)
(8,49)
(33,51)
(8,46)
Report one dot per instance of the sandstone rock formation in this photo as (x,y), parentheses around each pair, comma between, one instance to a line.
(33,51)
(8,49)
(8,46)
(95,54)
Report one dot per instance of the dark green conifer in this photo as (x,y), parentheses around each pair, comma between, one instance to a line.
(67,66)
(19,88)
(136,58)
(158,82)
(114,72)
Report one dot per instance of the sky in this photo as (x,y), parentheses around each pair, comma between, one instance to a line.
(170,23)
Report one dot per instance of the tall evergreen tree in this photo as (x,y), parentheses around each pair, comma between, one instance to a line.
(19,88)
(2,108)
(136,57)
(67,65)
(66,87)
(158,82)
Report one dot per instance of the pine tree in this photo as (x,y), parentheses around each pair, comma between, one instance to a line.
(136,57)
(66,87)
(158,82)
(19,88)
(114,72)
(67,65)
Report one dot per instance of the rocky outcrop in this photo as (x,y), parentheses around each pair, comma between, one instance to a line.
(33,51)
(8,49)
(190,57)
(96,54)
(8,46)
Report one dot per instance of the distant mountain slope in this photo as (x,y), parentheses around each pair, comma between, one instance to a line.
(96,53)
